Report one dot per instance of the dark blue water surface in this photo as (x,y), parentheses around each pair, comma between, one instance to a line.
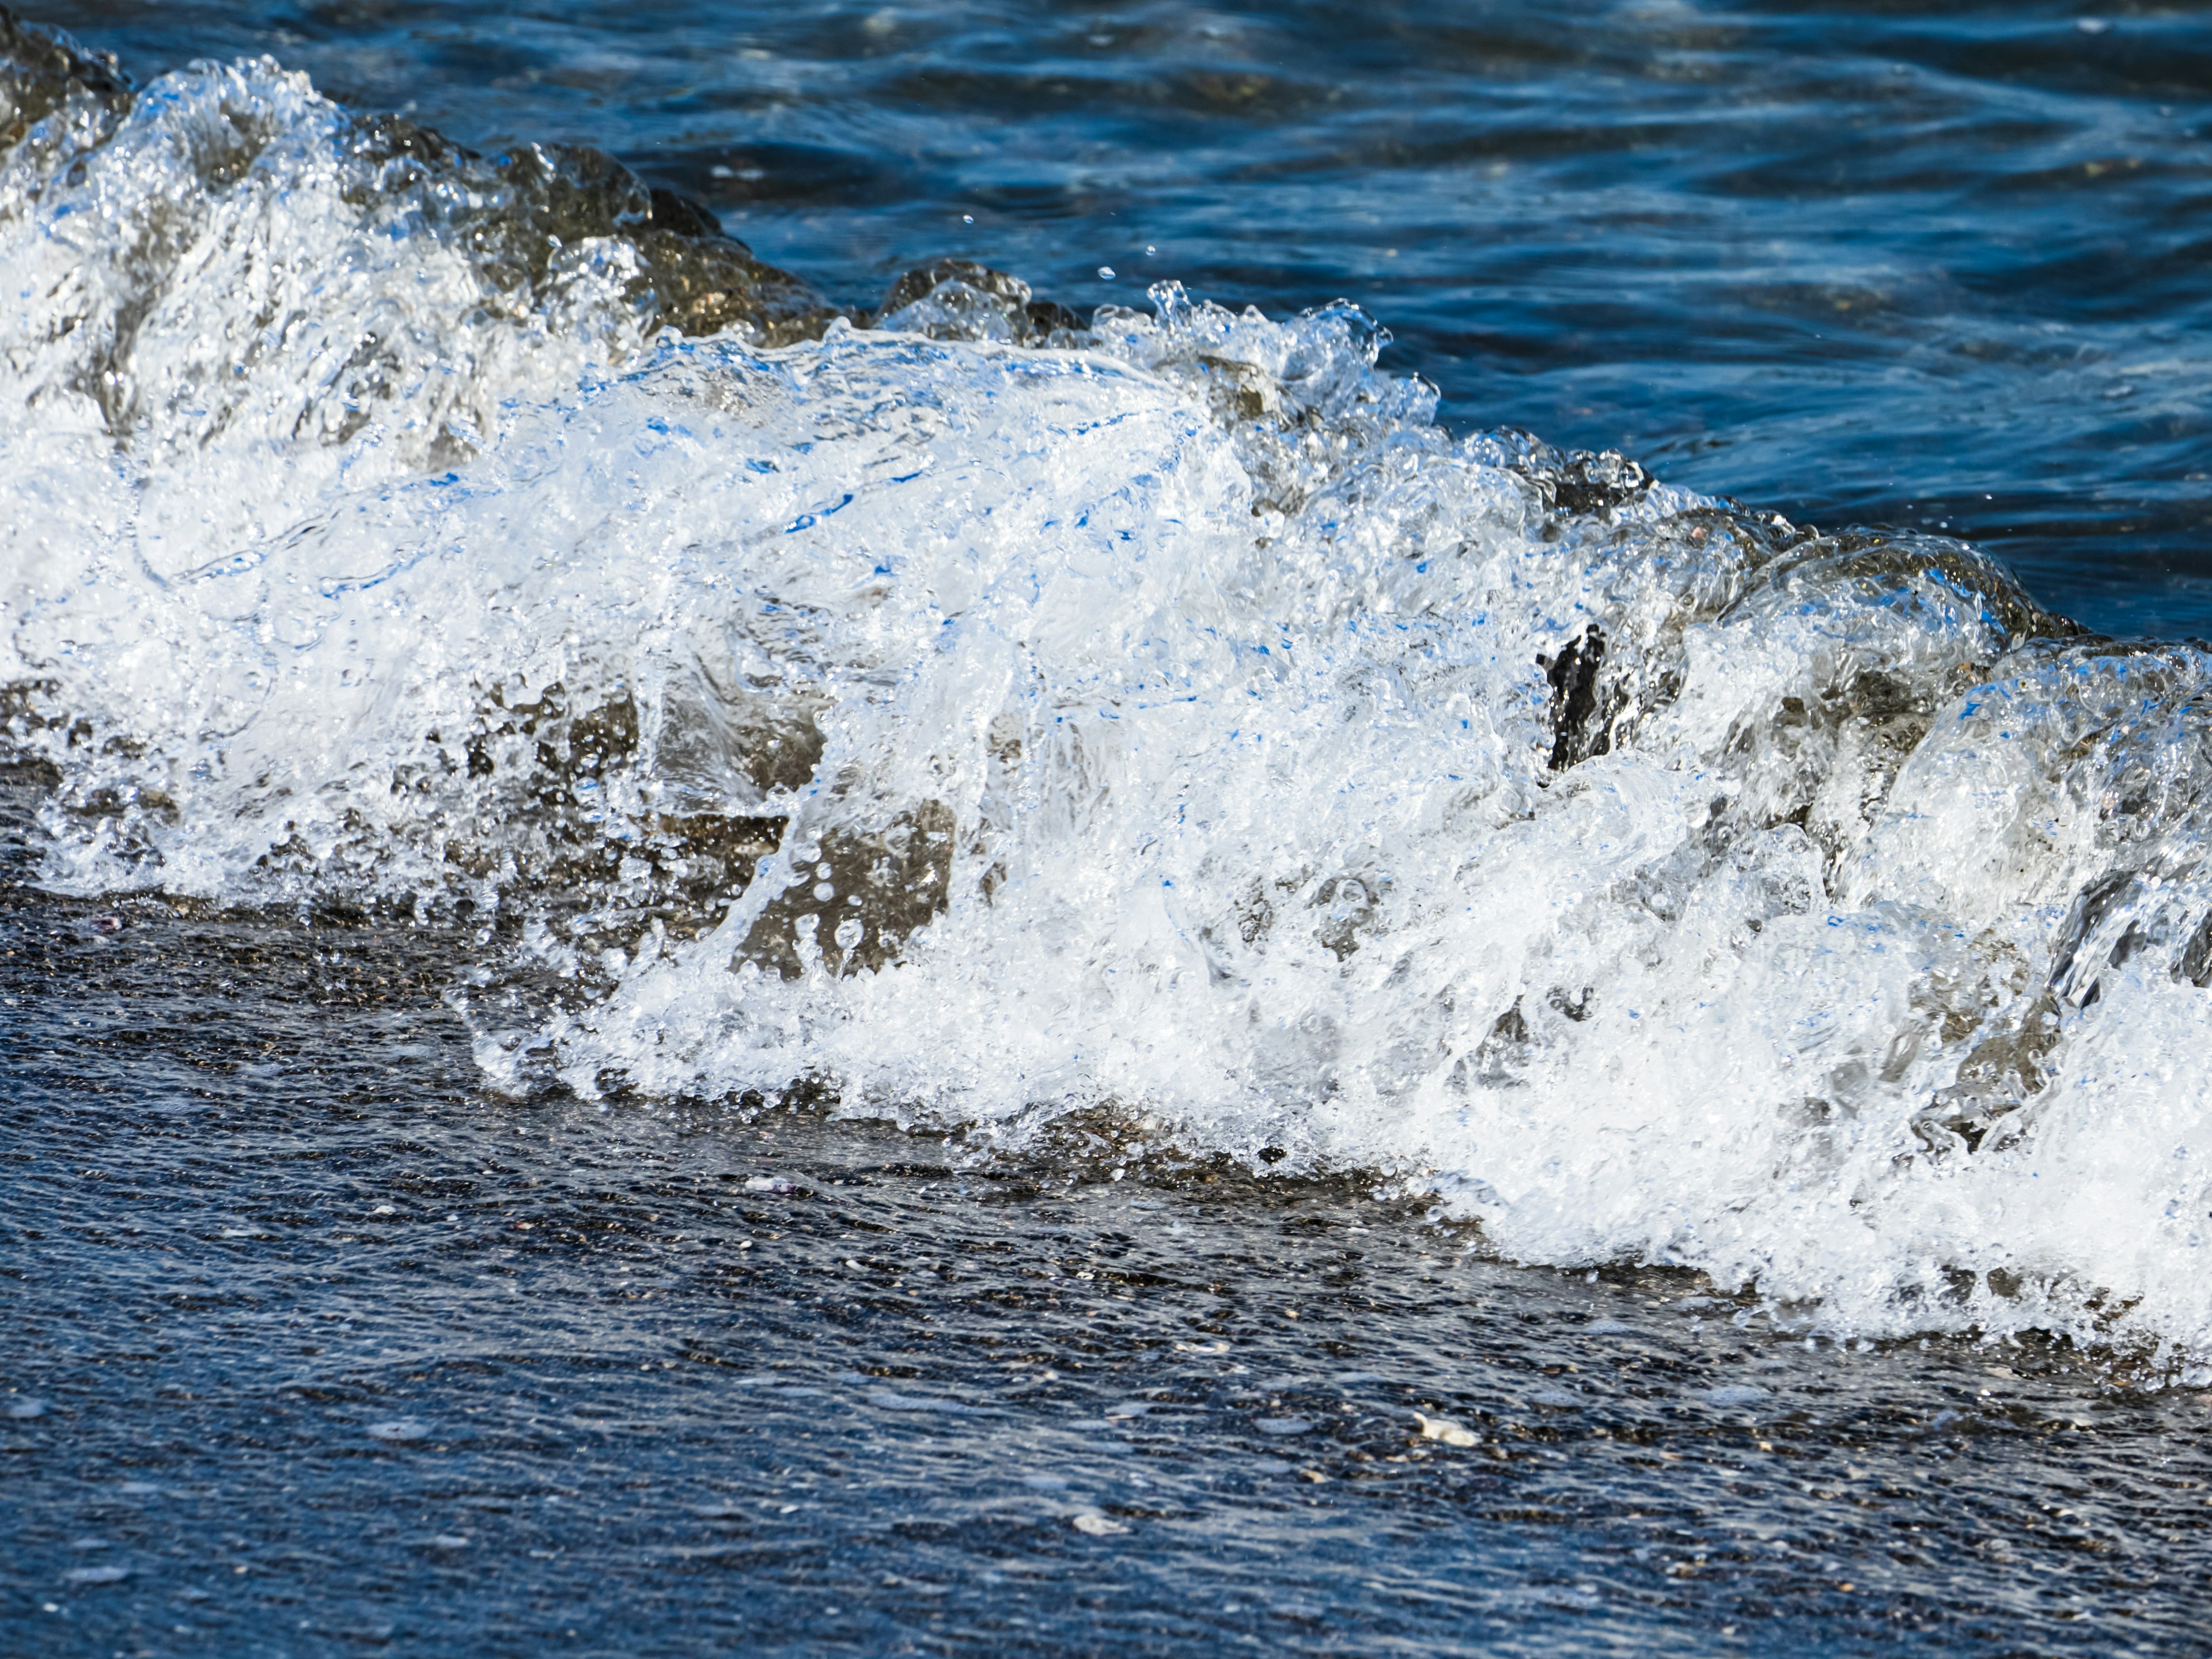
(1932,266)
(313,1349)
(309,1346)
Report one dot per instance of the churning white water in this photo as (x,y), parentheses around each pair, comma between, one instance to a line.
(987,719)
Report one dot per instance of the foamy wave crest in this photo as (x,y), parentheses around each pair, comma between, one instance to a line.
(988,717)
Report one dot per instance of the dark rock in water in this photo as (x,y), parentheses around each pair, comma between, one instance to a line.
(683,215)
(40,68)
(1050,317)
(704,281)
(526,205)
(1581,718)
(857,897)
(703,285)
(924,280)
(960,300)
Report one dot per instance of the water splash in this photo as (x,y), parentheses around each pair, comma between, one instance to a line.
(988,717)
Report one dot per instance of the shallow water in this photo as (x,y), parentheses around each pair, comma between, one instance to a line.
(316,1349)
(702,952)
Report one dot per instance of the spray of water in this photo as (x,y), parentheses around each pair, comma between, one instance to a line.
(983,715)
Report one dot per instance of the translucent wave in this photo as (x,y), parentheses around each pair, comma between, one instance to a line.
(986,717)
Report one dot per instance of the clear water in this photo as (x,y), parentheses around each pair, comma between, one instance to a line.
(710,947)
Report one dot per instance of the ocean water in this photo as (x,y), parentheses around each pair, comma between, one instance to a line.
(891,829)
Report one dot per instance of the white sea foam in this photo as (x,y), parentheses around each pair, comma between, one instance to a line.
(1156,724)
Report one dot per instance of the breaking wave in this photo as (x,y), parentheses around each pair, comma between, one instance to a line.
(986,715)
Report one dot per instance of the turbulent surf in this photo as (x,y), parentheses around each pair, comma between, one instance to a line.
(989,716)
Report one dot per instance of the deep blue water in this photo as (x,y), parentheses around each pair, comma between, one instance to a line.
(1915,264)
(310,1344)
